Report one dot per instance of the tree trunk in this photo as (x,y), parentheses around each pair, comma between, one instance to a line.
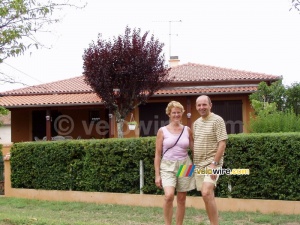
(120,124)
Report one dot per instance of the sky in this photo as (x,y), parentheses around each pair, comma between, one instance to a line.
(252,35)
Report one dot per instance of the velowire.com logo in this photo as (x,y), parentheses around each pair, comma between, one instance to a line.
(187,171)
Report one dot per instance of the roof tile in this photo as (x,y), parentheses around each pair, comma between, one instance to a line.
(71,85)
(46,100)
(75,91)
(92,98)
(199,72)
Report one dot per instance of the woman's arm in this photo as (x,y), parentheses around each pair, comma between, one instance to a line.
(157,159)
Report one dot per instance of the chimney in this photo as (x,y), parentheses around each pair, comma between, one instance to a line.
(174,61)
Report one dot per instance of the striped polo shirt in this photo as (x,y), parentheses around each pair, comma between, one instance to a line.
(207,133)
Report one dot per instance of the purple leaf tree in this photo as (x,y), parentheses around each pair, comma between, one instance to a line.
(126,71)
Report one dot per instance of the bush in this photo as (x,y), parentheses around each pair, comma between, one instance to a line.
(112,165)
(275,122)
(274,164)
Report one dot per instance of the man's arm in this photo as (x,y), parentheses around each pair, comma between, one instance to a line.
(222,136)
(220,150)
(218,156)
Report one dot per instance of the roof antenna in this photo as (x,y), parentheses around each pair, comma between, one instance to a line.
(170,33)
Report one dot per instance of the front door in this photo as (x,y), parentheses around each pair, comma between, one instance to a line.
(39,123)
(232,113)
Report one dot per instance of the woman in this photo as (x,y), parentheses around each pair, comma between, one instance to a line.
(172,143)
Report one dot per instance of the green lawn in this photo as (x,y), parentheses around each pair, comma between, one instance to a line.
(16,211)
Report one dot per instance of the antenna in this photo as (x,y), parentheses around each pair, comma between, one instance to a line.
(170,31)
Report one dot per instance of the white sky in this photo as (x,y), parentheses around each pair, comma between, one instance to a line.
(253,35)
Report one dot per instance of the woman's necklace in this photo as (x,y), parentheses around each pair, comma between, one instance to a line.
(175,129)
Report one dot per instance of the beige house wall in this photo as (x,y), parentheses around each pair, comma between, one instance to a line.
(5,134)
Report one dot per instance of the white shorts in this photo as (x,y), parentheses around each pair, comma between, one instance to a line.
(169,176)
(200,178)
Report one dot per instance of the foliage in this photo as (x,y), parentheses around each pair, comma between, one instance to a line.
(293,98)
(276,108)
(21,20)
(112,165)
(270,93)
(263,108)
(3,111)
(286,98)
(266,122)
(273,161)
(295,5)
(125,72)
(132,123)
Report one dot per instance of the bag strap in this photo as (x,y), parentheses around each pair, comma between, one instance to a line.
(175,142)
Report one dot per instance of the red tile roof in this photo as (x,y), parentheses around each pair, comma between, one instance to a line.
(75,91)
(198,72)
(71,85)
(207,90)
(49,100)
(92,98)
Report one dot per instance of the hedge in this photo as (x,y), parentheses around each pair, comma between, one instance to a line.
(112,165)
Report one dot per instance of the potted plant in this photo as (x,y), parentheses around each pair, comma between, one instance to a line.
(132,125)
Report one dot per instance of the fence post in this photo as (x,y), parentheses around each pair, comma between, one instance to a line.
(141,176)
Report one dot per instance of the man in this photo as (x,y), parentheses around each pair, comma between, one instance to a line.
(209,146)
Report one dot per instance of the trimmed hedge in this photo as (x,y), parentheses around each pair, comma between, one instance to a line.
(274,163)
(106,165)
(112,165)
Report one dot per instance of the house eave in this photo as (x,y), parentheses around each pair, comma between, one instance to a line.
(223,81)
(3,94)
(51,105)
(203,93)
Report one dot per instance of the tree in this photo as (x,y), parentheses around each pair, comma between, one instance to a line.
(3,111)
(295,5)
(275,93)
(286,99)
(21,20)
(276,107)
(293,98)
(125,72)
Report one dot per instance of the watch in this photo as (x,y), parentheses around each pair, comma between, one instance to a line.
(215,163)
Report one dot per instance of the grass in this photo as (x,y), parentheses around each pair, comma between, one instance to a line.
(17,211)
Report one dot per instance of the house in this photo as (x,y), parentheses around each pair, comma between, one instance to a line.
(71,108)
(5,129)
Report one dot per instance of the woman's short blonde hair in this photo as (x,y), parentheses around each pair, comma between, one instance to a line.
(174,104)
